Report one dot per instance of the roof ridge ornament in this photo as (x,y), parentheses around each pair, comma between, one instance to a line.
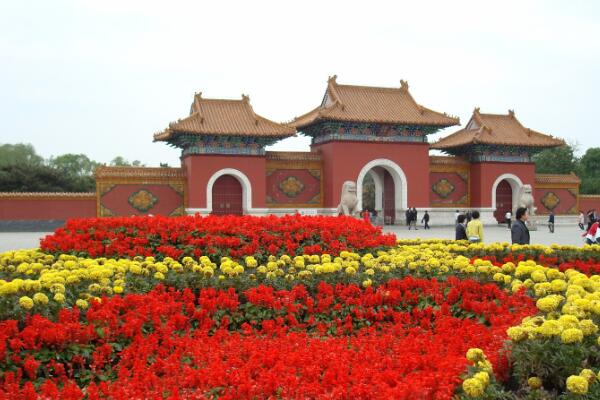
(476,110)
(404,85)
(511,113)
(332,79)
(245,98)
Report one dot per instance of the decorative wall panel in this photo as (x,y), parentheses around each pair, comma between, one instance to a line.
(558,200)
(294,180)
(449,189)
(123,191)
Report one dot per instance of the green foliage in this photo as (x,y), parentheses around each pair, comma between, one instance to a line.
(73,164)
(23,170)
(589,171)
(34,178)
(551,360)
(19,154)
(121,162)
(559,160)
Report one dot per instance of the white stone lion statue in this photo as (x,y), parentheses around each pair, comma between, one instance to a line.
(526,200)
(349,201)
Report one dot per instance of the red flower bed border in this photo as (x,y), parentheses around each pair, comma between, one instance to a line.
(234,236)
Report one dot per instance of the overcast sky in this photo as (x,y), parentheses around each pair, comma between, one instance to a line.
(100,77)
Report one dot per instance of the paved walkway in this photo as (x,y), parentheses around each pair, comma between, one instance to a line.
(563,235)
(20,240)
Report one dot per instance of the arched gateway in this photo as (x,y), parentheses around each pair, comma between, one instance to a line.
(358,131)
(390,188)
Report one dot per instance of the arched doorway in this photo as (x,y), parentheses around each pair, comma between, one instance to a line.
(504,199)
(389,200)
(227,196)
(505,195)
(390,189)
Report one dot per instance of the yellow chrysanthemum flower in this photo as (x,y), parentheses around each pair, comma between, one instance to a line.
(571,335)
(473,387)
(40,298)
(59,298)
(26,302)
(577,384)
(534,382)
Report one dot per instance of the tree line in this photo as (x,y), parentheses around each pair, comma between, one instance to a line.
(23,170)
(564,160)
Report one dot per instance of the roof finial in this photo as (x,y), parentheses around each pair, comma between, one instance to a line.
(476,110)
(332,79)
(198,95)
(511,113)
(245,98)
(403,85)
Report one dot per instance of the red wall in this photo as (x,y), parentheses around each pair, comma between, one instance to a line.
(200,168)
(589,203)
(483,176)
(458,196)
(117,199)
(46,208)
(566,205)
(342,161)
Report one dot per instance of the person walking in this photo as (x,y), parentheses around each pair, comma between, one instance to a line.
(456,214)
(407,213)
(581,220)
(460,231)
(519,231)
(474,227)
(551,222)
(508,218)
(425,220)
(415,218)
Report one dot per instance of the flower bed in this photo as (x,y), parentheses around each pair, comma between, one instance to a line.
(393,342)
(375,321)
(232,236)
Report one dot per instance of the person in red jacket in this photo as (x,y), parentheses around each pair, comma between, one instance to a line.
(366,215)
(592,235)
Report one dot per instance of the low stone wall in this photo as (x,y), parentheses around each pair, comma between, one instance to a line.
(46,206)
(589,202)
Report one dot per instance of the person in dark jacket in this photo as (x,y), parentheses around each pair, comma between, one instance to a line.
(461,232)
(551,222)
(519,231)
(425,220)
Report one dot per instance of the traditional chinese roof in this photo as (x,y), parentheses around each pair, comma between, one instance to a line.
(496,129)
(372,104)
(557,178)
(224,117)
